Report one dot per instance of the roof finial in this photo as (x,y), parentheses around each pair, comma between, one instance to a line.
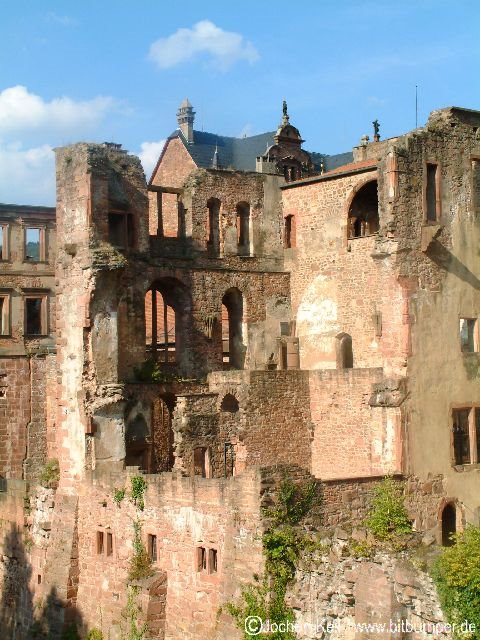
(286,117)
(376,129)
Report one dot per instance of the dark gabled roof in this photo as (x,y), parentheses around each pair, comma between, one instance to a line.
(241,153)
(233,153)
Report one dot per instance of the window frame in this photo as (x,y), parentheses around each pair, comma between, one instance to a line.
(42,240)
(476,336)
(438,191)
(152,545)
(5,255)
(6,317)
(37,294)
(473,443)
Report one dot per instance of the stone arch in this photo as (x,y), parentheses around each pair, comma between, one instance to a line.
(229,403)
(362,210)
(234,349)
(451,519)
(344,351)
(167,320)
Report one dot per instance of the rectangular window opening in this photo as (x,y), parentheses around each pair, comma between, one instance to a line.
(152,547)
(212,561)
(4,316)
(201,559)
(100,542)
(3,242)
(468,335)
(33,244)
(432,193)
(109,544)
(461,436)
(35,322)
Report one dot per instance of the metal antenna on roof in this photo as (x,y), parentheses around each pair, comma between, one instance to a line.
(416,106)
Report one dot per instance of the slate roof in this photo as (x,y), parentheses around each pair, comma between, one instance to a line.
(241,153)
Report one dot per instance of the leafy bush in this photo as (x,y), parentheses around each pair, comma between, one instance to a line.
(151,371)
(139,487)
(388,516)
(456,574)
(118,496)
(140,564)
(94,634)
(50,472)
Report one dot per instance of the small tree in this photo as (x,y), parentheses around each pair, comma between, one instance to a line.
(388,517)
(456,574)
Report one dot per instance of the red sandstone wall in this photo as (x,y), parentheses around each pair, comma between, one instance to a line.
(352,439)
(339,286)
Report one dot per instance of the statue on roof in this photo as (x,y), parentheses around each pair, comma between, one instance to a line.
(285,114)
(376,130)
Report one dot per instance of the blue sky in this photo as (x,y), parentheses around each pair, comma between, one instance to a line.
(117,70)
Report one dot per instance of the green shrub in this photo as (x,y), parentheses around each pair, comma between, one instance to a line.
(50,472)
(456,574)
(71,633)
(118,496)
(140,564)
(388,517)
(151,371)
(138,490)
(94,634)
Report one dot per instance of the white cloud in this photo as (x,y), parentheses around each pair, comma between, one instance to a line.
(149,154)
(23,111)
(65,21)
(224,47)
(27,175)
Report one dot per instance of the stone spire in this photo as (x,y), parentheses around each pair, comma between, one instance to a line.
(185,118)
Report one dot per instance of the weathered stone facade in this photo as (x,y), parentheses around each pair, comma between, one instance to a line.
(215,323)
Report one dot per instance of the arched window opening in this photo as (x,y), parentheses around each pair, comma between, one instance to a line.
(363,213)
(166,317)
(449,524)
(232,333)
(243,229)
(344,351)
(162,434)
(289,232)
(202,462)
(229,403)
(213,225)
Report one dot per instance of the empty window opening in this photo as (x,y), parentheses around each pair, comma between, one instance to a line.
(4,316)
(100,542)
(121,230)
(461,436)
(476,184)
(469,335)
(212,561)
(35,316)
(229,459)
(201,462)
(344,351)
(137,442)
(363,217)
(160,327)
(152,547)
(229,403)
(163,458)
(289,232)
(39,578)
(109,544)
(243,228)
(3,242)
(213,225)
(201,559)
(232,332)
(33,244)
(432,193)
(182,219)
(449,524)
